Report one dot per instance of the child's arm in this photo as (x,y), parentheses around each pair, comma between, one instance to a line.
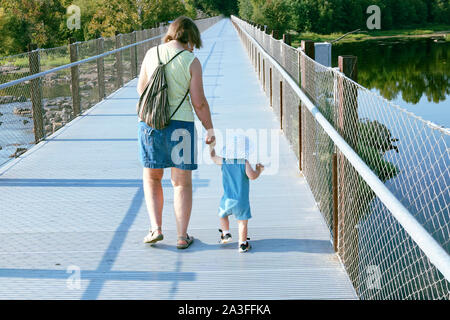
(215,158)
(253,174)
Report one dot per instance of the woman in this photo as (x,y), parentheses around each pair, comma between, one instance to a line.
(183,73)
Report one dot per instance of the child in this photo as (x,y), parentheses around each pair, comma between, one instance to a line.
(236,172)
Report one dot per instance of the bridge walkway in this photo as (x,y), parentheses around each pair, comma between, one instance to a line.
(74,205)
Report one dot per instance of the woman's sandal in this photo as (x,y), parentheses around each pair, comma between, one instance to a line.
(153,236)
(188,240)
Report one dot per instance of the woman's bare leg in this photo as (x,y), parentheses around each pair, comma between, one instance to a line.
(154,198)
(182,186)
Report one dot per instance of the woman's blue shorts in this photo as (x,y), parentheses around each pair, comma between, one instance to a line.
(173,146)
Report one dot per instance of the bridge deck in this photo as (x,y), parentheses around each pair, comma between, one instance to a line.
(76,200)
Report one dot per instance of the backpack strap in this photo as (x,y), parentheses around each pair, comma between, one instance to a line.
(178,53)
(179,104)
(159,59)
(157,51)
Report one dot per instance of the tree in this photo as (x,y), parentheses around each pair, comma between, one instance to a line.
(245,9)
(154,11)
(31,21)
(277,15)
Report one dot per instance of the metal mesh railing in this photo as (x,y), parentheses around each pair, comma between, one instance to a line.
(408,155)
(35,107)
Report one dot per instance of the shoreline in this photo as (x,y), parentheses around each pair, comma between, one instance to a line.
(361,37)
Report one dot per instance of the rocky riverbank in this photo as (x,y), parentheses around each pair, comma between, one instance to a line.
(57,112)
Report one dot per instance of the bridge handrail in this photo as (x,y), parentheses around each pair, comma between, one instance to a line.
(73,64)
(432,249)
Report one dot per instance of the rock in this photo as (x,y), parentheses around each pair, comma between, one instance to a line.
(22,111)
(25,122)
(65,116)
(56,126)
(11,99)
(8,68)
(58,118)
(19,151)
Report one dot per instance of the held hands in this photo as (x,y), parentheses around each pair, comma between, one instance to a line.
(210,138)
(259,167)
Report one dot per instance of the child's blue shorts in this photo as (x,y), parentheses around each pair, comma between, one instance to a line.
(173,146)
(241,211)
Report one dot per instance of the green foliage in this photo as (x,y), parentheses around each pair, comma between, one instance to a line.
(327,16)
(111,16)
(375,140)
(155,11)
(245,9)
(276,14)
(26,21)
(44,22)
(215,7)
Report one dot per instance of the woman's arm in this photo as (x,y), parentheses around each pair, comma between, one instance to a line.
(143,77)
(199,101)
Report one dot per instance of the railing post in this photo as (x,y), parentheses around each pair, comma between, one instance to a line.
(287,38)
(100,70)
(259,66)
(133,56)
(300,138)
(335,201)
(119,66)
(281,105)
(270,88)
(75,77)
(264,74)
(347,126)
(275,34)
(307,47)
(36,93)
(348,106)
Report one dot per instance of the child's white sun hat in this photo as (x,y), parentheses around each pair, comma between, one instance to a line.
(238,147)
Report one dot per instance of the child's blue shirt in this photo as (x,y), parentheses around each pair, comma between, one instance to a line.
(236,187)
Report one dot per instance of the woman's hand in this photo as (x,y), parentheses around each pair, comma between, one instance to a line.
(210,137)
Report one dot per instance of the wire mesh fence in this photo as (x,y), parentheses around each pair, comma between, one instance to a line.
(409,155)
(32,109)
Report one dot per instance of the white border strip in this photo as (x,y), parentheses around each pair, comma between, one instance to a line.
(432,249)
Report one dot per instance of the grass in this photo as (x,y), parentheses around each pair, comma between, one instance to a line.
(368,35)
(46,61)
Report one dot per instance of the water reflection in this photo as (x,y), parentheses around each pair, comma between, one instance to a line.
(413,73)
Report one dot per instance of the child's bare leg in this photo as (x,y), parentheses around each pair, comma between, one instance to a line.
(225,223)
(242,230)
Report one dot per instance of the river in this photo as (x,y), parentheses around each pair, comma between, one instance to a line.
(412,73)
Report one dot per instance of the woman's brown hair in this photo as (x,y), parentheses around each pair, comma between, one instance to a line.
(184,30)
